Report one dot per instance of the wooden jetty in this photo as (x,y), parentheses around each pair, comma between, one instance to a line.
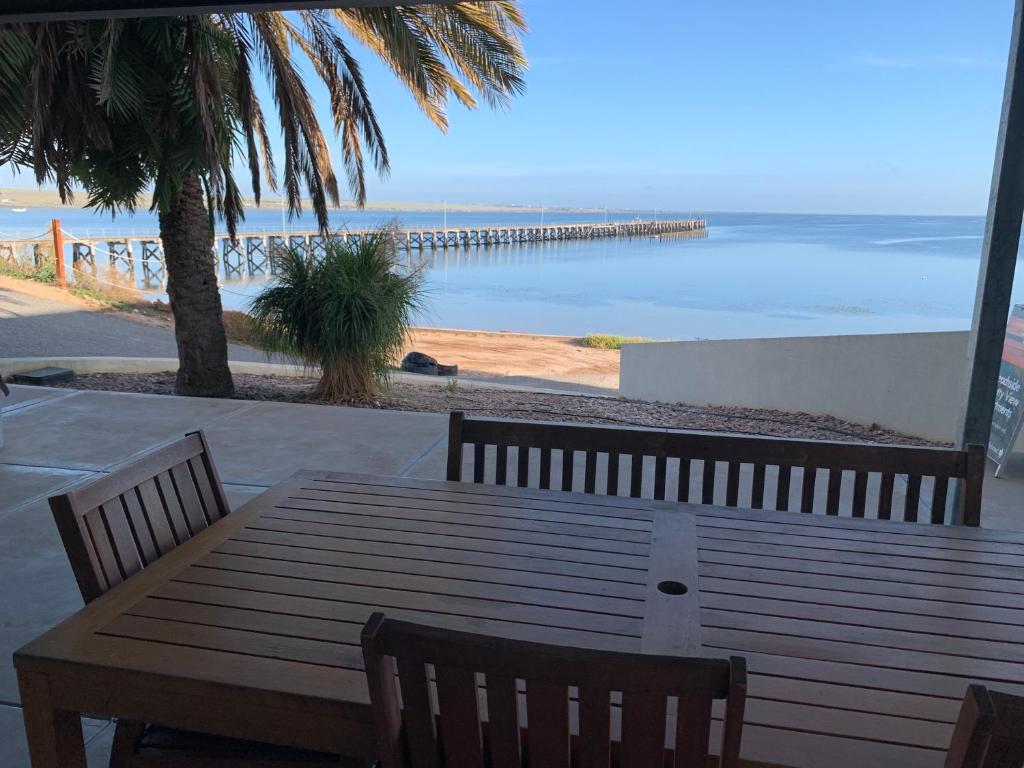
(255,253)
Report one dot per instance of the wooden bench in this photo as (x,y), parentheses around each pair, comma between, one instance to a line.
(466,738)
(710,468)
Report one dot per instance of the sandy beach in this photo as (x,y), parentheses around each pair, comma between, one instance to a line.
(558,358)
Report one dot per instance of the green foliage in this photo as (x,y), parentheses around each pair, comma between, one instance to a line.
(120,106)
(125,106)
(46,272)
(240,329)
(610,341)
(103,296)
(347,312)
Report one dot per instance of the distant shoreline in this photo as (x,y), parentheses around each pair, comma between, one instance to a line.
(48,198)
(12,197)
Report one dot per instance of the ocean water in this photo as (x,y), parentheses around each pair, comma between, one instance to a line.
(753,275)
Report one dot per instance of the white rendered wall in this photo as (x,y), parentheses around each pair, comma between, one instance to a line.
(909,382)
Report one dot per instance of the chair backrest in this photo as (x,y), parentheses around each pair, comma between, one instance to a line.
(639,462)
(509,703)
(116,525)
(989,732)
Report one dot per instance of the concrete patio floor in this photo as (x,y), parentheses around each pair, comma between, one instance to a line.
(54,438)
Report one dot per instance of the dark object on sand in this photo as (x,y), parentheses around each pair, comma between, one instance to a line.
(417,362)
(44,376)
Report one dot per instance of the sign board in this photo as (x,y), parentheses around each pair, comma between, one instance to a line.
(1008,415)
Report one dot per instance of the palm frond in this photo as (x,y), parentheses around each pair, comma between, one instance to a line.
(306,155)
(121,106)
(393,35)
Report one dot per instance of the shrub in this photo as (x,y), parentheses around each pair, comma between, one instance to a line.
(41,270)
(347,312)
(240,328)
(610,341)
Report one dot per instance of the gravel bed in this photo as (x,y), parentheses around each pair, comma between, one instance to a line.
(443,397)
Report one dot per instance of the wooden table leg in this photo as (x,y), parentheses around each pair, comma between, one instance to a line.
(54,735)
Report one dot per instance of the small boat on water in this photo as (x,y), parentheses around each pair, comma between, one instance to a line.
(18,210)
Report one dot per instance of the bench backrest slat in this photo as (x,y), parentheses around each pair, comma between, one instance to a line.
(116,525)
(907,483)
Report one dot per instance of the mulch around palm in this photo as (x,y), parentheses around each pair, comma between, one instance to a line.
(442,397)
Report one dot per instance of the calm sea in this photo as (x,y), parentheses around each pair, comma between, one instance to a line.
(754,275)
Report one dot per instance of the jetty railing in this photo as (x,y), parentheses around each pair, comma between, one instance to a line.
(140,258)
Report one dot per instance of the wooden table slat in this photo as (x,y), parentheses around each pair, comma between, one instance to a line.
(855,530)
(857,676)
(870,637)
(913,600)
(1005,578)
(429,584)
(284,608)
(868,579)
(442,605)
(944,557)
(613,506)
(477,506)
(242,642)
(453,528)
(883,530)
(877,617)
(324,510)
(483,572)
(853,653)
(494,545)
(452,556)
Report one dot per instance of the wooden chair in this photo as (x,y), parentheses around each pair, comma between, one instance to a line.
(639,461)
(495,724)
(989,732)
(115,526)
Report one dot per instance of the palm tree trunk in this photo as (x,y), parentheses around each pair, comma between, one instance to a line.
(195,299)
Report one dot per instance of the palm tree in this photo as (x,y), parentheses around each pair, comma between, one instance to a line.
(123,106)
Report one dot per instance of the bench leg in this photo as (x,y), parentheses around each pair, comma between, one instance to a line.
(54,735)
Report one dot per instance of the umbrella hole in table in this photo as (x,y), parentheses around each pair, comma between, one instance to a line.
(672,587)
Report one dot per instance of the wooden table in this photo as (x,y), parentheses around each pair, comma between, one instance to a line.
(860,635)
(251,629)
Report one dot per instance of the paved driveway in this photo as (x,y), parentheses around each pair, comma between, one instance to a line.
(32,325)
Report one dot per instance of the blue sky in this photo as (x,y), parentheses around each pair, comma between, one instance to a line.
(704,105)
(868,107)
